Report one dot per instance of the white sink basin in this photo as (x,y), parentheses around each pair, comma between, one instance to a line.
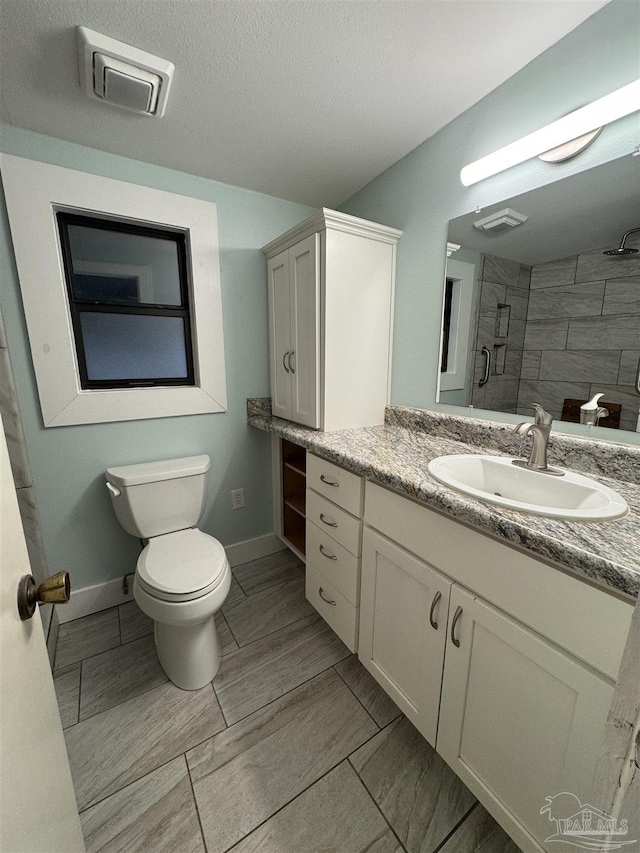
(496,480)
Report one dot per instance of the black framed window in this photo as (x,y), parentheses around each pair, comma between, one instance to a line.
(128,291)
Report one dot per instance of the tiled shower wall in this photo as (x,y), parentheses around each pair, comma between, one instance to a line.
(14,434)
(500,283)
(583,333)
(574,330)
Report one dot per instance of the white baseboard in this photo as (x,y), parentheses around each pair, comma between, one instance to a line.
(253,549)
(91,599)
(101,596)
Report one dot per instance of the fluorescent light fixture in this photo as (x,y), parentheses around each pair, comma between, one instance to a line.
(620,103)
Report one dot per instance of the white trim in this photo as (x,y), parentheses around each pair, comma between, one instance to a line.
(101,596)
(336,220)
(462,274)
(92,599)
(33,191)
(253,549)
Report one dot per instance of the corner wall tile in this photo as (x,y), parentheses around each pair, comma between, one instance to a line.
(622,296)
(554,273)
(546,334)
(570,300)
(596,265)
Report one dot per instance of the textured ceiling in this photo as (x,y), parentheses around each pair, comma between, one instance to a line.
(306,100)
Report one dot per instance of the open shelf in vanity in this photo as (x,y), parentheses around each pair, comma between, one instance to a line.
(294,484)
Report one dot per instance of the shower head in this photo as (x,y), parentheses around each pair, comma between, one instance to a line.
(622,250)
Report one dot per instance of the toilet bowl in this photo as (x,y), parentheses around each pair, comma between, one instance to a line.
(182,575)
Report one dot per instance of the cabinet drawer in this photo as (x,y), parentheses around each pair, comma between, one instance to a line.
(334,608)
(337,564)
(340,525)
(340,486)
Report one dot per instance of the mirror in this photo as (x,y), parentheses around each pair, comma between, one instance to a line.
(534,311)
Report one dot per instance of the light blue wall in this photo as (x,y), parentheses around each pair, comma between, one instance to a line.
(421,192)
(80,530)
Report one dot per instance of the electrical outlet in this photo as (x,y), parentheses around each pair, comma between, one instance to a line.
(237,498)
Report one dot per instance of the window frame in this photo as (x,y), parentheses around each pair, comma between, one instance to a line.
(34,193)
(64,218)
(461,273)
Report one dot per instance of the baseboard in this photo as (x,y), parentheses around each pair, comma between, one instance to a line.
(253,549)
(92,599)
(101,596)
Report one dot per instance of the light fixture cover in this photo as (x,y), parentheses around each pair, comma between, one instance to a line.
(620,103)
(121,75)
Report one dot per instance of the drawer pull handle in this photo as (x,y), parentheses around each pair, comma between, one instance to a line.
(434,604)
(328,523)
(291,367)
(457,615)
(284,361)
(328,482)
(328,556)
(322,596)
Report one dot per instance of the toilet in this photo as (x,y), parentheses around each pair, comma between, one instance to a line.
(183,575)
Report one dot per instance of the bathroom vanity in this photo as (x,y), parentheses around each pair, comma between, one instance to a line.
(499,635)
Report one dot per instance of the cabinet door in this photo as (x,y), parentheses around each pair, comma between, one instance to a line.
(279,334)
(403,626)
(520,719)
(305,331)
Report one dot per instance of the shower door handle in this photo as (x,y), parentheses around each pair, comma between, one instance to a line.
(487,366)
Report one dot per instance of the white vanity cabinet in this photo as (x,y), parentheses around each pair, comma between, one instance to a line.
(404,606)
(334,501)
(514,686)
(330,291)
(520,719)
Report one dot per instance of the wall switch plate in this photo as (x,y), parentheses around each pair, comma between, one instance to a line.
(237,498)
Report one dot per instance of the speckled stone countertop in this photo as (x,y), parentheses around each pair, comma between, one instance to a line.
(397,455)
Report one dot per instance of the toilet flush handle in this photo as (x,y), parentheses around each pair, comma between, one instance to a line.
(115,491)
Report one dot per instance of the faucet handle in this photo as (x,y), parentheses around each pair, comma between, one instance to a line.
(542,417)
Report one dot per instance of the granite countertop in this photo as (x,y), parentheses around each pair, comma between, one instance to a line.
(397,455)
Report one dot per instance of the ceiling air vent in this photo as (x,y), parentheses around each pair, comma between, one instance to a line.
(500,220)
(121,75)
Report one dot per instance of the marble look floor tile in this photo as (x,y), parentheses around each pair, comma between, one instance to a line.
(265,612)
(266,572)
(87,636)
(154,814)
(235,593)
(364,686)
(227,640)
(67,684)
(245,774)
(479,833)
(416,791)
(119,674)
(336,815)
(129,740)
(133,622)
(265,670)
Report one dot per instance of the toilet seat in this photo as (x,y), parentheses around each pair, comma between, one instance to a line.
(181,566)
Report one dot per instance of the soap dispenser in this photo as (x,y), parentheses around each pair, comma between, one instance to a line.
(591,412)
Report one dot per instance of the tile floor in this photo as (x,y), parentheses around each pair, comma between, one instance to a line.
(293,749)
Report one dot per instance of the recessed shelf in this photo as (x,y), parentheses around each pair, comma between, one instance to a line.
(294,468)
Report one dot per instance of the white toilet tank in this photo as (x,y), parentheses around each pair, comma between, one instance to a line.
(158,497)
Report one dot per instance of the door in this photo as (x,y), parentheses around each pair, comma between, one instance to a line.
(280,334)
(520,719)
(37,803)
(403,627)
(305,331)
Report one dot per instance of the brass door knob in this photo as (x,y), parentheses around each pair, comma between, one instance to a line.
(55,590)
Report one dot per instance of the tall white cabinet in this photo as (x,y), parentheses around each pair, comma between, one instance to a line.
(331,287)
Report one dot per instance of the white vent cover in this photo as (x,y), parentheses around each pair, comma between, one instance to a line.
(506,218)
(122,75)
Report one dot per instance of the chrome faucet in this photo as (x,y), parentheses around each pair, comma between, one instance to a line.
(539,431)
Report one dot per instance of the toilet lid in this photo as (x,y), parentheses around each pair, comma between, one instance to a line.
(188,563)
